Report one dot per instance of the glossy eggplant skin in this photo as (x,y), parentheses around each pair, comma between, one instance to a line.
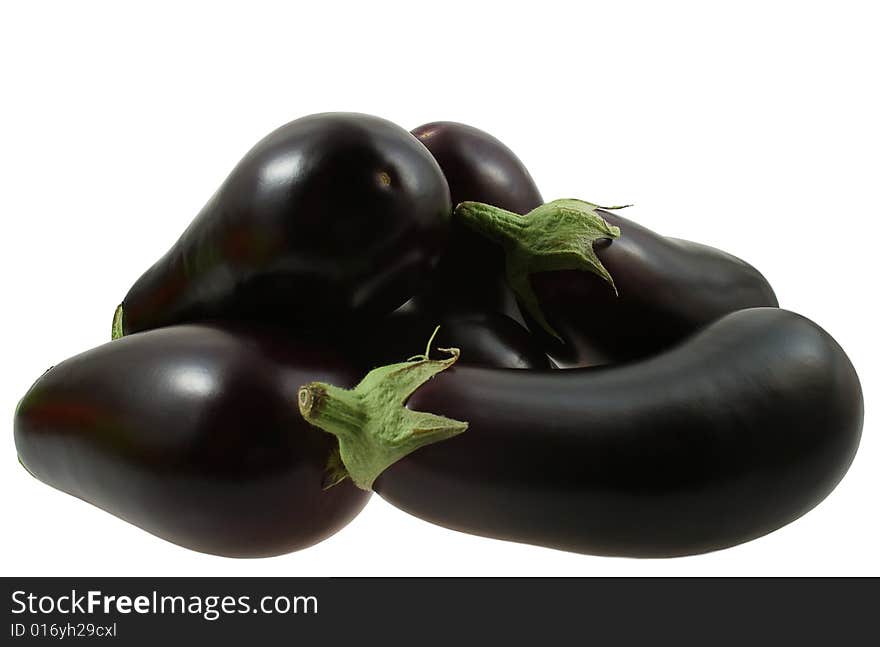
(192,433)
(723,438)
(334,215)
(478,167)
(484,338)
(667,289)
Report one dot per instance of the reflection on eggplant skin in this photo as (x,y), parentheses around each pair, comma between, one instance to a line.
(196,381)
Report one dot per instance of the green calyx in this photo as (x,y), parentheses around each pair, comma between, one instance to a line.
(116,330)
(556,236)
(371,422)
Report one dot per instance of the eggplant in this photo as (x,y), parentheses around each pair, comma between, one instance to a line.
(484,338)
(332,216)
(478,167)
(598,288)
(725,437)
(192,433)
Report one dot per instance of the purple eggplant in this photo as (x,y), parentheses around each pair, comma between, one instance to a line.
(478,167)
(733,433)
(601,289)
(332,216)
(192,433)
(484,338)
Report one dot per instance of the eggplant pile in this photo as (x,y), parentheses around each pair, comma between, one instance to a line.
(587,384)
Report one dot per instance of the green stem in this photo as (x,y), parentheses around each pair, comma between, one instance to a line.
(498,225)
(116,330)
(338,408)
(556,236)
(371,422)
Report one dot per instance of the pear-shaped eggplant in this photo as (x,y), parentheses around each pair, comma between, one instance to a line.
(192,433)
(329,217)
(478,167)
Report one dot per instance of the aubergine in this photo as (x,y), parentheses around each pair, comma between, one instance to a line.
(478,167)
(192,433)
(598,288)
(484,338)
(332,216)
(727,436)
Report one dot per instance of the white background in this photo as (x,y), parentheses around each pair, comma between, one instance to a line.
(752,128)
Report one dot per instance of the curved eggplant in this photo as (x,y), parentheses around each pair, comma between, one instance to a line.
(334,215)
(641,293)
(192,433)
(729,435)
(480,168)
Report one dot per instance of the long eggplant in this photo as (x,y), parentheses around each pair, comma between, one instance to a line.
(599,288)
(725,437)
